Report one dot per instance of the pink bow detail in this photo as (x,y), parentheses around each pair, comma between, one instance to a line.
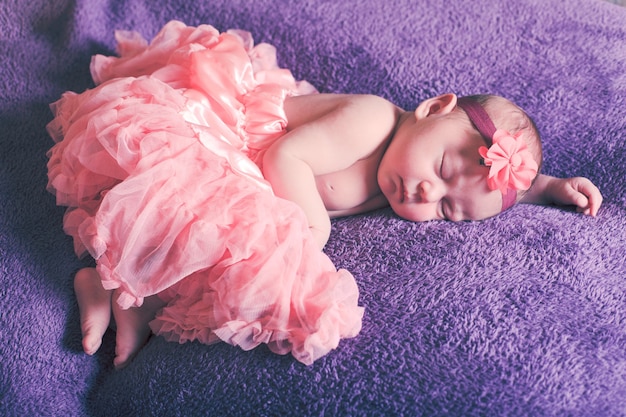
(512,164)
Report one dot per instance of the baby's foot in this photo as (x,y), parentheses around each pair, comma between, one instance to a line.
(132,328)
(94,304)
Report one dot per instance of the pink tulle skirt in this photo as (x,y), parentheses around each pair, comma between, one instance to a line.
(159,168)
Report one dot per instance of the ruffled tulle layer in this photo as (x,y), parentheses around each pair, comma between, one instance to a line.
(158,166)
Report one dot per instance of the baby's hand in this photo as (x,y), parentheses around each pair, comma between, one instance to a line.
(576,191)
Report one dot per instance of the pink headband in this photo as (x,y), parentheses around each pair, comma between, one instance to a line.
(512,166)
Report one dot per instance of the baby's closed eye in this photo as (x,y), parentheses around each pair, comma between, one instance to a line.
(444,171)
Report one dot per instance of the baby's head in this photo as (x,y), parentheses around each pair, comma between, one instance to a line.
(495,117)
(451,159)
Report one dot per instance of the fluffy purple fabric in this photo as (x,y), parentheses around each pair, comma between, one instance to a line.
(523,314)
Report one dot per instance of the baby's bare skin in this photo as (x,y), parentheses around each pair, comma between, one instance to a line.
(96,304)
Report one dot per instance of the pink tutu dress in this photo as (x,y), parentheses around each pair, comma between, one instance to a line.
(159,166)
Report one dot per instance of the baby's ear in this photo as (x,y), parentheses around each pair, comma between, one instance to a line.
(442,104)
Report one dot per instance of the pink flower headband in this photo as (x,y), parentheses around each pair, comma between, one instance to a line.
(512,166)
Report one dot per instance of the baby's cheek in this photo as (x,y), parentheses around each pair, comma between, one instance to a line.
(415,212)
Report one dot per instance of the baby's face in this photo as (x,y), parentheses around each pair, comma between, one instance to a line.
(431,171)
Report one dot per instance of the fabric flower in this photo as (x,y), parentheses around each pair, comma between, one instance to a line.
(512,165)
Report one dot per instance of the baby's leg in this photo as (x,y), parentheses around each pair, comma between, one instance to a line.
(132,328)
(94,303)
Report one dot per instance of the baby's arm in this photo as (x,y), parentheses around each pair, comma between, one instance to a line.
(293,179)
(576,191)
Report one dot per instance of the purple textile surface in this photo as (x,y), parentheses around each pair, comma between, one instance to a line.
(523,314)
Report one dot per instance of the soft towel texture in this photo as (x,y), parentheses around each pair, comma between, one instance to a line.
(523,314)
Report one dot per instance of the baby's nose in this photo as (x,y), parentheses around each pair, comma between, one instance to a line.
(429,192)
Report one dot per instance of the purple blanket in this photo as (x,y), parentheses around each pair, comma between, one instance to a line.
(523,314)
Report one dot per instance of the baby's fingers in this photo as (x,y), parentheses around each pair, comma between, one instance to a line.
(582,204)
(595,201)
(591,199)
(584,210)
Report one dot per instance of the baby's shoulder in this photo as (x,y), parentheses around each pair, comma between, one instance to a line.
(371,115)
(360,122)
(364,108)
(372,107)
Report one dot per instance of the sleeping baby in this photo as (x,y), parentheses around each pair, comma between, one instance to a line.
(202,179)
